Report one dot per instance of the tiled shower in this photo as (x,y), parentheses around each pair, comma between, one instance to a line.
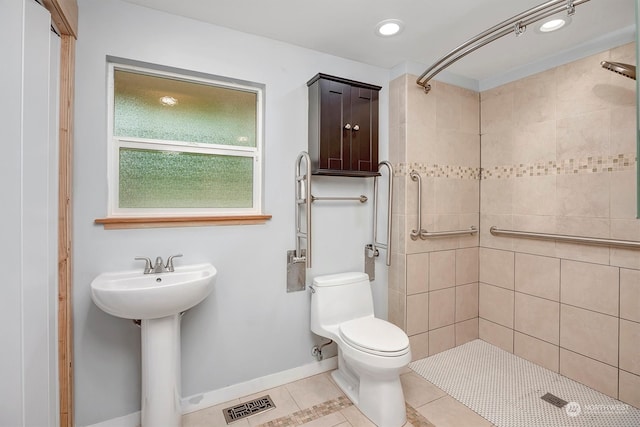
(554,152)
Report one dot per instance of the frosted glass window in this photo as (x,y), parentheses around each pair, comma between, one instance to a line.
(177,110)
(183,143)
(170,179)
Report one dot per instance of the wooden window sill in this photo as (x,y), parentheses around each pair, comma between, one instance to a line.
(183,221)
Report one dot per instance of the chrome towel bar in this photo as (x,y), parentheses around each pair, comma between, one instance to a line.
(424,234)
(628,244)
(362,198)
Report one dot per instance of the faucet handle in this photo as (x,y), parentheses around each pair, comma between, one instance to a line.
(169,265)
(147,265)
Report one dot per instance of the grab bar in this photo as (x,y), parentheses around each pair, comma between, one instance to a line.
(303,196)
(421,232)
(375,245)
(630,244)
(362,198)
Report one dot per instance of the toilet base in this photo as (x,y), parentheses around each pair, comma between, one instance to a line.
(379,399)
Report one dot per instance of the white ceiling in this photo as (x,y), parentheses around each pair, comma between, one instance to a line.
(345,28)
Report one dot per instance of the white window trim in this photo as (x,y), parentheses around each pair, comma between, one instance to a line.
(115,143)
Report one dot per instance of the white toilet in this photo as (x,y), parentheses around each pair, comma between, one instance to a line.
(371,351)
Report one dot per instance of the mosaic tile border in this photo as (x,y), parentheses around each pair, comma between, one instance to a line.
(437,171)
(315,412)
(592,164)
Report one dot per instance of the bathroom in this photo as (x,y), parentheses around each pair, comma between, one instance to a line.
(250,329)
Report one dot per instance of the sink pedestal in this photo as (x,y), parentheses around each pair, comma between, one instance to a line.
(161,379)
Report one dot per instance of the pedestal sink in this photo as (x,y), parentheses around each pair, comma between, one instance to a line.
(157,300)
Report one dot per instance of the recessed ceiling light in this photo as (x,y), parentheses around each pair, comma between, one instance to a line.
(554,24)
(169,101)
(389,27)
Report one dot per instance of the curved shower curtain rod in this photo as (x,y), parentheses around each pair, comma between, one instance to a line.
(517,24)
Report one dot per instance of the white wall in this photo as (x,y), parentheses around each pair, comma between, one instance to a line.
(28,254)
(249,327)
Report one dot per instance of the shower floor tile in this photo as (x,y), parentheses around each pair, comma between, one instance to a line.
(506,389)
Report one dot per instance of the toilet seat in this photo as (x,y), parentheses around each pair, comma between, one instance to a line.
(375,336)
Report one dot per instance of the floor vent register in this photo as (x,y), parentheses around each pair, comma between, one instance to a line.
(247,409)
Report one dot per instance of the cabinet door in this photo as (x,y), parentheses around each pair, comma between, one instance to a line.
(363,150)
(334,115)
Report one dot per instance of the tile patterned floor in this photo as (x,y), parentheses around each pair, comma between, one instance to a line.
(506,390)
(318,402)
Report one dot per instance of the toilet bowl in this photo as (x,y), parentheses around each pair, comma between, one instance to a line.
(371,351)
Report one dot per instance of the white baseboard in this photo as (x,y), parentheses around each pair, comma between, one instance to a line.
(215,397)
(131,420)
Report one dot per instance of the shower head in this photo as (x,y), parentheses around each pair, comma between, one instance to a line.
(620,68)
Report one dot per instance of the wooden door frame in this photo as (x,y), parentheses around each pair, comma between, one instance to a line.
(64,14)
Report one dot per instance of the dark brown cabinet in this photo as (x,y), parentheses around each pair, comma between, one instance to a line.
(343,127)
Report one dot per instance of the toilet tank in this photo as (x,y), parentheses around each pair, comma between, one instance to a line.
(337,298)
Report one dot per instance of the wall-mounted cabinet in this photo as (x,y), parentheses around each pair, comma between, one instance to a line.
(343,127)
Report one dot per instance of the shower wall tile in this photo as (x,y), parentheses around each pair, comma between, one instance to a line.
(537,317)
(630,346)
(467,265)
(417,273)
(496,304)
(441,339)
(623,127)
(466,331)
(535,195)
(497,149)
(534,142)
(583,195)
(497,111)
(442,304)
(488,240)
(417,313)
(496,334)
(538,276)
(397,309)
(591,286)
(576,81)
(623,202)
(537,351)
(540,92)
(497,196)
(583,135)
(497,267)
(597,375)
(629,388)
(563,162)
(536,223)
(419,344)
(466,302)
(589,333)
(442,269)
(630,294)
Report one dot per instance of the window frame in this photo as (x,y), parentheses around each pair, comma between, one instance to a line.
(115,143)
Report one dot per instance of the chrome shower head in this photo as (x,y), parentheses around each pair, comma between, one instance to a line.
(620,68)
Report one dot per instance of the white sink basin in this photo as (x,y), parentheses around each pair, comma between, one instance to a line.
(134,295)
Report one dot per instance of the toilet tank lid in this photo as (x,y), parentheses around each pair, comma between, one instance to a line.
(340,279)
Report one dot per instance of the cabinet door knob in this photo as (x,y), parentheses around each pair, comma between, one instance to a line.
(347,126)
(356,127)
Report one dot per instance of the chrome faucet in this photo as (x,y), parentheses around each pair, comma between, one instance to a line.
(159,267)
